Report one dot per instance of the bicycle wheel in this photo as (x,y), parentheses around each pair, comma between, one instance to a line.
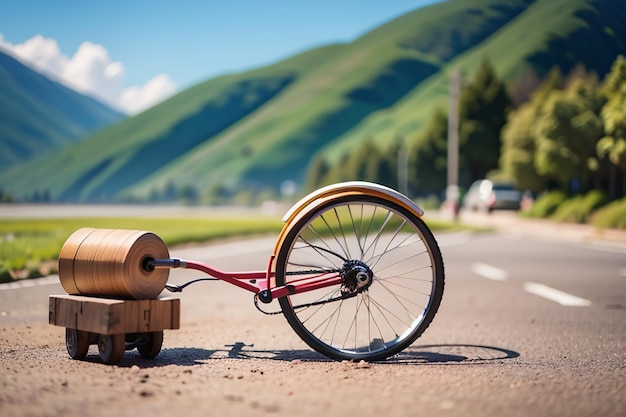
(391,271)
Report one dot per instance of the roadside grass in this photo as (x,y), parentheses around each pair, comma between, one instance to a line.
(29,248)
(29,245)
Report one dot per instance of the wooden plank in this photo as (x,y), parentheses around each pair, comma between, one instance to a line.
(159,313)
(175,315)
(138,316)
(114,316)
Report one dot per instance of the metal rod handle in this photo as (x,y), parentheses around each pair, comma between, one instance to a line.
(150,264)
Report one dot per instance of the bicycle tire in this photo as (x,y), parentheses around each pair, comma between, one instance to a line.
(406,281)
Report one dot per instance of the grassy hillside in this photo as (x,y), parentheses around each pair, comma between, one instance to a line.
(256,129)
(38,115)
(349,83)
(99,167)
(576,32)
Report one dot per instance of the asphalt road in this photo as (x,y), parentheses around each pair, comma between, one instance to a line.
(528,326)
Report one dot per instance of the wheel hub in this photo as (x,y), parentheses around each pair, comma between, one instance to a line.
(357,276)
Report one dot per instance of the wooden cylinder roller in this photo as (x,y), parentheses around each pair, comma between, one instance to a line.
(112,262)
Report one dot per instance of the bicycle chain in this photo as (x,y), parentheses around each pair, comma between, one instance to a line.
(315,303)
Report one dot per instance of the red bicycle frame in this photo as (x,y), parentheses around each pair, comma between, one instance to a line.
(258,282)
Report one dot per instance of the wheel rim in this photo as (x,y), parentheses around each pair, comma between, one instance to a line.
(388,313)
(76,342)
(152,347)
(111,348)
(71,341)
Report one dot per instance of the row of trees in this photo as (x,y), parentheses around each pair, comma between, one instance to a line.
(5,197)
(37,196)
(215,195)
(570,134)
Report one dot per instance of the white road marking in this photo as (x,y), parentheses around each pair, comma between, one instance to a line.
(622,272)
(555,295)
(490,272)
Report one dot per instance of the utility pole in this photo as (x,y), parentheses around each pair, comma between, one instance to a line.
(452,190)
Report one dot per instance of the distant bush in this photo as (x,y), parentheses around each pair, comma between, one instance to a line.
(5,197)
(546,204)
(428,203)
(613,215)
(5,273)
(578,209)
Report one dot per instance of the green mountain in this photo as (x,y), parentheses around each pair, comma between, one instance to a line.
(38,115)
(256,129)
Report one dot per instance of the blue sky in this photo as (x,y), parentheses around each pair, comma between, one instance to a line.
(180,42)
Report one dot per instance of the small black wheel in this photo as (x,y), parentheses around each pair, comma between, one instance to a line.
(151,348)
(77,343)
(391,270)
(111,347)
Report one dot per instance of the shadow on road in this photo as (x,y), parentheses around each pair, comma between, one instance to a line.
(450,354)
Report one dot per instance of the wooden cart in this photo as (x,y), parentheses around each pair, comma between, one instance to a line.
(357,252)
(115,325)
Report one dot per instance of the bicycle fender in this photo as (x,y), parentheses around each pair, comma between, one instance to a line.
(324,194)
(361,187)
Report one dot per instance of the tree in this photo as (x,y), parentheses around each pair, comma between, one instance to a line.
(339,171)
(553,82)
(379,169)
(567,134)
(359,161)
(316,173)
(188,194)
(5,197)
(616,78)
(520,137)
(170,192)
(483,107)
(428,157)
(613,144)
(517,161)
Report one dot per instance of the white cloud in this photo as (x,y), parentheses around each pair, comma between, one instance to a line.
(44,54)
(135,99)
(91,71)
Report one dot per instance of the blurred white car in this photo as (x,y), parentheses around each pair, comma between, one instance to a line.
(485,195)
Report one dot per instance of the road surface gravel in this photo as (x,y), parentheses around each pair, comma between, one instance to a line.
(491,351)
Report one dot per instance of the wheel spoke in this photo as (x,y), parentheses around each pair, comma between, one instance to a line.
(330,229)
(387,250)
(379,233)
(343,233)
(329,250)
(356,230)
(327,321)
